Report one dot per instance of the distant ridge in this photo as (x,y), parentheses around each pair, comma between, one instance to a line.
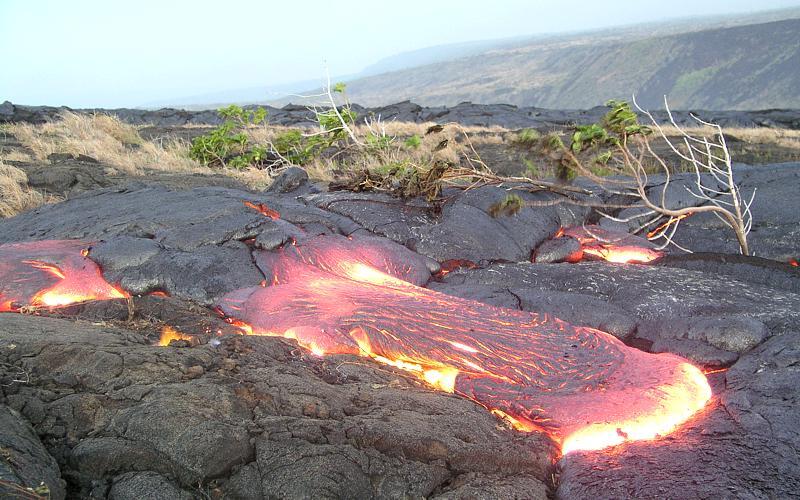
(481,57)
(744,67)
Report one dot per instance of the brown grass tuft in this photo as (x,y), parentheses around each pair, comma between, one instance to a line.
(108,140)
(15,195)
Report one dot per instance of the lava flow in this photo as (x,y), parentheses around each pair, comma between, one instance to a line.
(583,387)
(612,246)
(50,274)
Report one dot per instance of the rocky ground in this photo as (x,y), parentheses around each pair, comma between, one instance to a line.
(484,115)
(90,406)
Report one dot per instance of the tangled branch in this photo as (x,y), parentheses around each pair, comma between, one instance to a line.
(714,186)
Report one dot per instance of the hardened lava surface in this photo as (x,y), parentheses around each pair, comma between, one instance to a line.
(95,409)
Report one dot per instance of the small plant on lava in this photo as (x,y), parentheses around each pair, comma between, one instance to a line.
(228,144)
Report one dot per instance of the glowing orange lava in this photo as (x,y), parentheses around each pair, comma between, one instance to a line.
(263,210)
(666,225)
(332,294)
(168,334)
(582,386)
(451,265)
(612,246)
(50,274)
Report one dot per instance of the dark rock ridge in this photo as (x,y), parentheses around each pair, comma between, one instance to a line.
(24,461)
(503,115)
(257,417)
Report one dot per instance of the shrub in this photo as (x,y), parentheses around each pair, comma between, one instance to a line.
(527,137)
(586,136)
(413,142)
(227,145)
(296,148)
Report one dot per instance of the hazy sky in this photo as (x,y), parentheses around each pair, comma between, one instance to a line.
(110,53)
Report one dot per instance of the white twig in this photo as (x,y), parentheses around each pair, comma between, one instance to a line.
(710,162)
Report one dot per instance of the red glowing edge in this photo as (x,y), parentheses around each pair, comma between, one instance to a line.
(52,273)
(583,387)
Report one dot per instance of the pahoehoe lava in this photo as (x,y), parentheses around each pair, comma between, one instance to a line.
(582,386)
(338,295)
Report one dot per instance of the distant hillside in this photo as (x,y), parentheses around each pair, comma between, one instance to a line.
(754,66)
(279,94)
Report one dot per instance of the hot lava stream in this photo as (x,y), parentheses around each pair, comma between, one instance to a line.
(334,295)
(612,246)
(583,387)
(50,274)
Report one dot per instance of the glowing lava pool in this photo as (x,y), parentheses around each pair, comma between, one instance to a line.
(50,273)
(335,295)
(583,387)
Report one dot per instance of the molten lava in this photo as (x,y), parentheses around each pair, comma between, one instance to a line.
(582,386)
(168,334)
(451,265)
(672,221)
(612,246)
(263,210)
(360,296)
(50,274)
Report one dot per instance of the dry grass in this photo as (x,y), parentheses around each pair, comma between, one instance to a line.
(16,155)
(15,195)
(105,138)
(114,143)
(753,135)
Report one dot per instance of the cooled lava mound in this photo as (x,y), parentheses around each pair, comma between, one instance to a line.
(374,371)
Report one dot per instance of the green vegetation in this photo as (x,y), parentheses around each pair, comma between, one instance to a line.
(587,136)
(509,205)
(527,137)
(553,142)
(413,142)
(227,145)
(531,170)
(594,146)
(621,120)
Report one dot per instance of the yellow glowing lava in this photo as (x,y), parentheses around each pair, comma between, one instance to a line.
(437,375)
(168,334)
(623,254)
(581,386)
(678,403)
(72,288)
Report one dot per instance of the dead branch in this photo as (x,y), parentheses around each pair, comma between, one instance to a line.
(714,186)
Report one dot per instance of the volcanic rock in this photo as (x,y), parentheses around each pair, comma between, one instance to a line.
(253,417)
(287,424)
(561,249)
(137,485)
(465,113)
(24,461)
(290,180)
